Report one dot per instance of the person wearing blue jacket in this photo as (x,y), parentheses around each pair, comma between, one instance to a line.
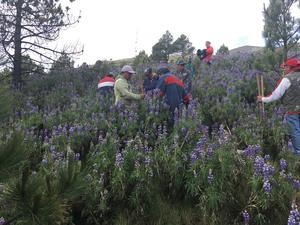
(173,89)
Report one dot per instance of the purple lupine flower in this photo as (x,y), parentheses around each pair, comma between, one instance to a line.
(52,149)
(283,164)
(71,130)
(294,217)
(257,148)
(59,130)
(119,159)
(165,130)
(223,135)
(267,187)
(46,140)
(296,184)
(147,149)
(267,157)
(199,150)
(210,177)
(251,151)
(290,146)
(193,157)
(64,130)
(246,217)
(290,177)
(58,155)
(258,165)
(77,157)
(268,170)
(210,149)
(159,129)
(2,220)
(147,161)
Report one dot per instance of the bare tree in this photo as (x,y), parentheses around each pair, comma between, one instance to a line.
(27,27)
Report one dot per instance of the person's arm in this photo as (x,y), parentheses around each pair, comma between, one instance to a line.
(278,92)
(186,97)
(123,88)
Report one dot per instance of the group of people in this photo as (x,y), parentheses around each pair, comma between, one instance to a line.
(121,87)
(177,86)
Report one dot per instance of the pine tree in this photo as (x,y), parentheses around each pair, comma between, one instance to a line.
(27,26)
(223,50)
(281,29)
(163,48)
(183,45)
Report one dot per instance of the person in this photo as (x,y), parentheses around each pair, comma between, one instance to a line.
(183,74)
(288,89)
(205,55)
(173,89)
(122,88)
(150,80)
(189,66)
(106,85)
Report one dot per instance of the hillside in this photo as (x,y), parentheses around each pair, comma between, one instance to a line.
(244,49)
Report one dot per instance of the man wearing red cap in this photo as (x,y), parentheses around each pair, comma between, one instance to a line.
(289,89)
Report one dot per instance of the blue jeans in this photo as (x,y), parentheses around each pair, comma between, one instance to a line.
(293,122)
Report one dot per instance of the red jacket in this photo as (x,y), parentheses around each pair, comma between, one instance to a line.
(106,82)
(209,53)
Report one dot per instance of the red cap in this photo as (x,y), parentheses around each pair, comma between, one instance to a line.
(293,62)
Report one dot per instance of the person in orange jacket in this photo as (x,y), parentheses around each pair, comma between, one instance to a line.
(205,55)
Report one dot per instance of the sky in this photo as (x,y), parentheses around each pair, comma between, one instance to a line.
(116,29)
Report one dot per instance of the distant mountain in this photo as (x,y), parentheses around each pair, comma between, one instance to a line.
(244,49)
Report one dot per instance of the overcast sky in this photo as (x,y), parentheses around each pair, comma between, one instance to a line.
(115,29)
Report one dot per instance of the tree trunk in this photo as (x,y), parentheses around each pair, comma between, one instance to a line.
(17,61)
(285,50)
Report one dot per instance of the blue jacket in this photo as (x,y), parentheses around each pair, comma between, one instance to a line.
(174,90)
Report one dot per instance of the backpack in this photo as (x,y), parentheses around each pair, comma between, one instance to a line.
(201,53)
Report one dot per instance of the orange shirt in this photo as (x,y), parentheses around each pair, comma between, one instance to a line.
(209,53)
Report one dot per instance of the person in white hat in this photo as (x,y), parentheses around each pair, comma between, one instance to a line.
(122,88)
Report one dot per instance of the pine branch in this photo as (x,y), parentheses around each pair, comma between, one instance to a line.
(40,54)
(49,49)
(38,35)
(12,219)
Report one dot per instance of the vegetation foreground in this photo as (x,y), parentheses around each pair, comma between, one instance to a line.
(67,157)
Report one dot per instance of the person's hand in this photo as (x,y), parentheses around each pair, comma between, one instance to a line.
(259,98)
